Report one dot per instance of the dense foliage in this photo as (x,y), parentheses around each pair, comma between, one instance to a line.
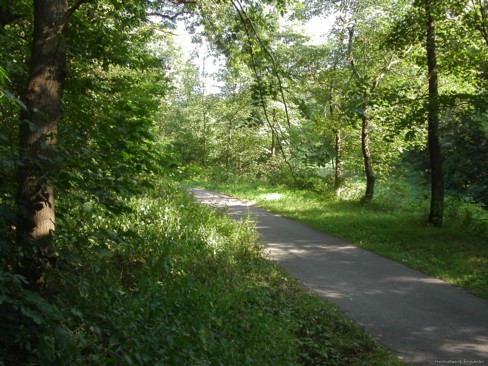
(136,272)
(169,282)
(310,101)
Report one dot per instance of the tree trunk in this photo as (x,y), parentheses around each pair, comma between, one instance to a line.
(437,176)
(273,138)
(204,114)
(273,144)
(227,148)
(338,161)
(368,168)
(37,137)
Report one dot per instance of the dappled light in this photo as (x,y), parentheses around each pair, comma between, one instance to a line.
(419,317)
(271,196)
(366,120)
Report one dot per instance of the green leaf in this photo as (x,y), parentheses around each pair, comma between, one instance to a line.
(13,98)
(3,77)
(128,359)
(34,315)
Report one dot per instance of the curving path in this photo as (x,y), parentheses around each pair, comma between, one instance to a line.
(419,318)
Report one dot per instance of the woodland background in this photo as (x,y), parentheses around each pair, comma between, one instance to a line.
(102,119)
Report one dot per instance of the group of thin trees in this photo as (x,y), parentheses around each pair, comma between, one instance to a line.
(378,96)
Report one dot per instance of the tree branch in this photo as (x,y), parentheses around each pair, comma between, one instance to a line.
(166,16)
(273,60)
(261,96)
(350,55)
(182,2)
(482,20)
(74,8)
(388,67)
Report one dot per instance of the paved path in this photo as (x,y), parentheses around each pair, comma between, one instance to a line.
(421,319)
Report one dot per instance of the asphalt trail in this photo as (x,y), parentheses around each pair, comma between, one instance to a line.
(421,319)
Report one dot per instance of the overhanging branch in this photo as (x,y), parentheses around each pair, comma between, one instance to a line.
(272,58)
(74,8)
(261,95)
(166,16)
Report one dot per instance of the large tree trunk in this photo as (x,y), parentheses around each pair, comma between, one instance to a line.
(368,167)
(437,175)
(37,137)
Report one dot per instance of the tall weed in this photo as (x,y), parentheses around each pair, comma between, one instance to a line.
(168,282)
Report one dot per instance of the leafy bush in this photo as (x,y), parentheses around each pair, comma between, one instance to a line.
(170,282)
(172,285)
(466,214)
(32,328)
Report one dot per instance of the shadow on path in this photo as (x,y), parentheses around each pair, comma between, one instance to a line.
(423,320)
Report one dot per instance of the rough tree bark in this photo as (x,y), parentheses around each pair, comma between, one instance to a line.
(37,137)
(437,176)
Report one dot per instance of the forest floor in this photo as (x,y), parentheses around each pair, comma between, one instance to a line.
(421,319)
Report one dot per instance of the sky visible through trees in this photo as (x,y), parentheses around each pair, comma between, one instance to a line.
(102,100)
(315,72)
(316,28)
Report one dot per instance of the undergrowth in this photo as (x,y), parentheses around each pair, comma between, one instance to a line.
(169,282)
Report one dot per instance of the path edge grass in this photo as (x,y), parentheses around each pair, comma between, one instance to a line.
(456,253)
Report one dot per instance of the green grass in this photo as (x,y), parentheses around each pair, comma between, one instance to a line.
(456,253)
(170,282)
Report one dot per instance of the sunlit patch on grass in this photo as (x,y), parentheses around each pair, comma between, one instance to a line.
(455,253)
(478,262)
(271,196)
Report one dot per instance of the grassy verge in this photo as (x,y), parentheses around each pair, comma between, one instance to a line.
(456,253)
(169,282)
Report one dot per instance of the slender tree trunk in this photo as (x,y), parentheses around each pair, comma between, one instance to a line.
(273,137)
(37,137)
(204,113)
(338,161)
(368,168)
(437,176)
(273,144)
(205,143)
(227,149)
